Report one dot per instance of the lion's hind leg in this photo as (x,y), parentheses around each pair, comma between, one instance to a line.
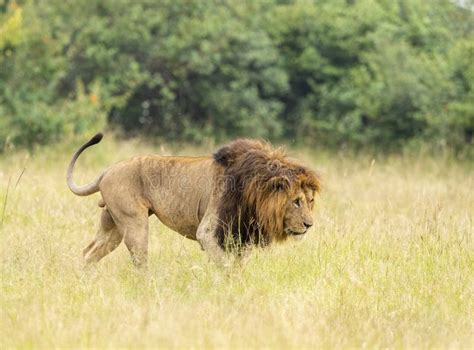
(108,238)
(135,231)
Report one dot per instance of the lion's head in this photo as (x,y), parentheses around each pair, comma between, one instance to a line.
(267,197)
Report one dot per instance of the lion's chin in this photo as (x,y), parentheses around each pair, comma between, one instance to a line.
(297,235)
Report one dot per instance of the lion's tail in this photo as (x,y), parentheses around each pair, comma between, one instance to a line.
(93,186)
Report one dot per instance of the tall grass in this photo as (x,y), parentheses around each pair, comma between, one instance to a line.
(389,264)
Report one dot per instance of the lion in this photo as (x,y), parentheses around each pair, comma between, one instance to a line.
(246,194)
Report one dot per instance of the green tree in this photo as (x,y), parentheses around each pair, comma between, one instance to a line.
(360,72)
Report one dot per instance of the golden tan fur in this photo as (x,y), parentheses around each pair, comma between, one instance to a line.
(248,193)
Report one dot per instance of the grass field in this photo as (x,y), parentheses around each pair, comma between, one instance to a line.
(389,263)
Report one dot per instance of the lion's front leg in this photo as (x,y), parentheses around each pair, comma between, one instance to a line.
(206,236)
(243,256)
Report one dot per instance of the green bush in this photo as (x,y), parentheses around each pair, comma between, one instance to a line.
(35,108)
(374,72)
(359,72)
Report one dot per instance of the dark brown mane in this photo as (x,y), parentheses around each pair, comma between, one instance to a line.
(258,182)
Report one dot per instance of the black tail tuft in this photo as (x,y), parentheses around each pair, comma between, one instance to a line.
(96,139)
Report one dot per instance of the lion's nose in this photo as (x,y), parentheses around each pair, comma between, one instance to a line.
(308,224)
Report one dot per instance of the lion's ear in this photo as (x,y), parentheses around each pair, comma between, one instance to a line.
(228,155)
(313,181)
(279,183)
(223,156)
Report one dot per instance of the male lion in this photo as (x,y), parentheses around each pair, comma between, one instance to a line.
(246,194)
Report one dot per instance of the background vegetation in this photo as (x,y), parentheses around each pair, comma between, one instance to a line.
(380,73)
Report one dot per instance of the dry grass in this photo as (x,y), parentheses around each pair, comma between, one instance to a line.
(389,264)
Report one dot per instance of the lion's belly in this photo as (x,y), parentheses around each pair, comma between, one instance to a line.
(179,191)
(183,216)
(185,227)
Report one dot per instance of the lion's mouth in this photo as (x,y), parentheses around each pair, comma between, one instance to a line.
(296,233)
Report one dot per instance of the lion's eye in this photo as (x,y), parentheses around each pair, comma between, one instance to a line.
(297,203)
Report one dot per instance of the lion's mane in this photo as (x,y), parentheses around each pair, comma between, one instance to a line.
(259,180)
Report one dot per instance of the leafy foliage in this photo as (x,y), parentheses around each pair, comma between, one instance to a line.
(359,72)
